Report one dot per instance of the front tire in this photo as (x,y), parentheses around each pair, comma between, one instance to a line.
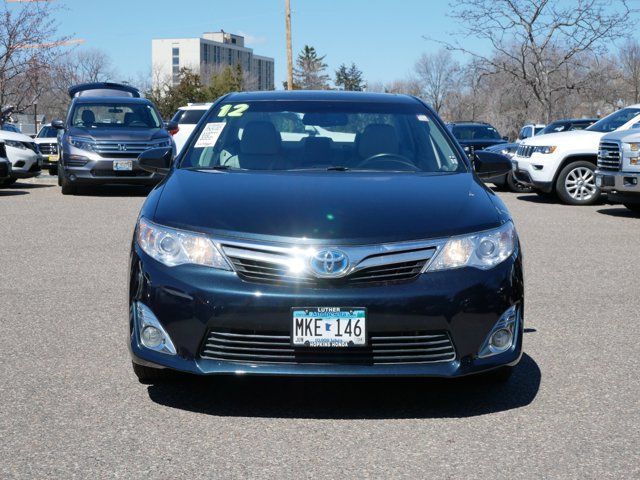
(515,186)
(53,170)
(66,186)
(8,182)
(576,184)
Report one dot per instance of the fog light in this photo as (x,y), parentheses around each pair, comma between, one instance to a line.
(502,335)
(501,339)
(151,337)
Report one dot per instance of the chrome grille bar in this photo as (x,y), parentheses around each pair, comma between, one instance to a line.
(609,156)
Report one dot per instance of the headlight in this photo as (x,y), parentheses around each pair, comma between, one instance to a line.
(82,143)
(177,247)
(15,144)
(482,250)
(544,149)
(634,147)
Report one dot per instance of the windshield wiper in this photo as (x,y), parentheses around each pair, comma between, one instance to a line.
(213,167)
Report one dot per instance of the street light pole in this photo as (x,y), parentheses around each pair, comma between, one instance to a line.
(287,6)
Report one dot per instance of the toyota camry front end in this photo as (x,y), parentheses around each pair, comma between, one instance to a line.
(324,234)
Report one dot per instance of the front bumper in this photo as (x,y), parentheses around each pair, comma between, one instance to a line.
(101,172)
(621,187)
(532,173)
(189,301)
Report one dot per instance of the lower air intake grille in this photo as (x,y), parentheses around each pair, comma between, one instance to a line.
(275,347)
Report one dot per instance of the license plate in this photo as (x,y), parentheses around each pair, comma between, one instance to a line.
(329,326)
(120,165)
(598,181)
(53,158)
(514,165)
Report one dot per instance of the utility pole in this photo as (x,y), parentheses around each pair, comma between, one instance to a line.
(287,7)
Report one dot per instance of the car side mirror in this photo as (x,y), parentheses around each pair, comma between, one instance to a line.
(156,160)
(491,164)
(172,127)
(59,124)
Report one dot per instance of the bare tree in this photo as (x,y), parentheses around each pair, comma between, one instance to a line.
(436,77)
(542,44)
(29,45)
(629,56)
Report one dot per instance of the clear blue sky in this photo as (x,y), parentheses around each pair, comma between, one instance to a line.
(383,37)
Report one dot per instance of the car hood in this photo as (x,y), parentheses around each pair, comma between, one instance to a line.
(558,138)
(120,133)
(345,207)
(632,135)
(18,137)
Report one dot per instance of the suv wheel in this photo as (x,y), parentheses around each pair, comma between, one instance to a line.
(576,184)
(515,186)
(67,187)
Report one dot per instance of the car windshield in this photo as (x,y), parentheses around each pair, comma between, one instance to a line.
(475,132)
(309,135)
(115,115)
(47,132)
(538,130)
(615,120)
(188,117)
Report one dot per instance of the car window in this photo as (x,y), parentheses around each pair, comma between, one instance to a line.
(615,120)
(115,115)
(538,130)
(300,135)
(188,117)
(475,132)
(47,132)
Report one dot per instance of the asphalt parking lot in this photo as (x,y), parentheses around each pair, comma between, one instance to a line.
(70,406)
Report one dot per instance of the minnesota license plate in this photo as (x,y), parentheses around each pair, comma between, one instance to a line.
(53,158)
(329,326)
(122,165)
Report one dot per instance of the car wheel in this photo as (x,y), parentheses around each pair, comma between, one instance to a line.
(53,170)
(67,187)
(576,184)
(148,376)
(60,177)
(634,207)
(515,186)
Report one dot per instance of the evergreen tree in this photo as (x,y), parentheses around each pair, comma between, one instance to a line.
(349,78)
(310,70)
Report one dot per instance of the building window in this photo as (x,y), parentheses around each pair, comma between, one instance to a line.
(175,51)
(176,60)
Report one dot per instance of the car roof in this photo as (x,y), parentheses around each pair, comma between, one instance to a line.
(575,120)
(320,95)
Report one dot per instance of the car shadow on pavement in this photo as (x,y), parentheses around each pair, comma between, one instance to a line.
(11,193)
(114,191)
(619,212)
(343,398)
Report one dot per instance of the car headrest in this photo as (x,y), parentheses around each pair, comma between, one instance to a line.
(260,138)
(129,117)
(88,117)
(378,138)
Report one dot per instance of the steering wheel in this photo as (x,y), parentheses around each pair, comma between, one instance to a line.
(391,158)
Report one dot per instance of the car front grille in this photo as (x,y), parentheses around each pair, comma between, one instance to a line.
(525,150)
(609,156)
(48,148)
(275,347)
(257,264)
(122,149)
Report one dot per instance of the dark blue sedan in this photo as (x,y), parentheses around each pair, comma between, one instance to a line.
(324,234)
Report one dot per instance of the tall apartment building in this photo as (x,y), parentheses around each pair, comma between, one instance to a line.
(211,53)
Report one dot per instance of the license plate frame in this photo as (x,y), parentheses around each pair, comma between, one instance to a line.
(347,327)
(122,165)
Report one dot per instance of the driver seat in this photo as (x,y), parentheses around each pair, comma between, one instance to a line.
(88,118)
(378,138)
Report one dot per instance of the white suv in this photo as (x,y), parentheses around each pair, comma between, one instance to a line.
(187,118)
(564,163)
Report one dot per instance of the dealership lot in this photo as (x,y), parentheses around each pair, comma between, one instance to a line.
(71,405)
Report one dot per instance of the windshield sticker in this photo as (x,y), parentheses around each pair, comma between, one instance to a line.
(233,110)
(422,118)
(210,134)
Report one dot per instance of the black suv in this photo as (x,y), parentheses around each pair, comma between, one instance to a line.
(474,136)
(107,127)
